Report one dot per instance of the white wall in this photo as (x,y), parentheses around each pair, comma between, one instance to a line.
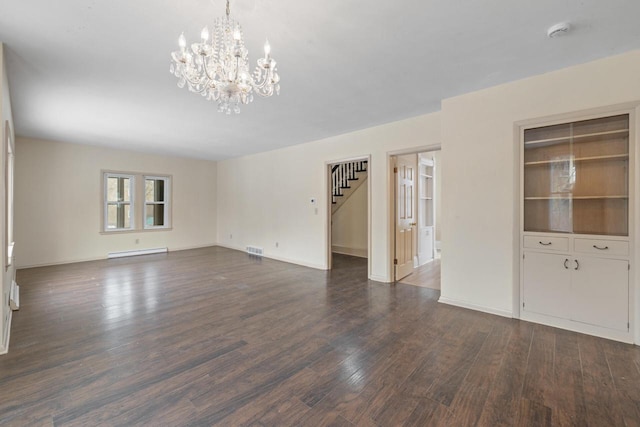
(59,202)
(480,188)
(264,198)
(9,273)
(349,231)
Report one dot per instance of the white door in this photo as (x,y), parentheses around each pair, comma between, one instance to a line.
(426,212)
(547,284)
(405,216)
(600,292)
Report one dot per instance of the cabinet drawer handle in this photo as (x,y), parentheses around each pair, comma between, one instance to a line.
(545,244)
(566,260)
(577,264)
(602,249)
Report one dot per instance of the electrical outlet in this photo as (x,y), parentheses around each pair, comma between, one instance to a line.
(231,236)
(137,241)
(277,244)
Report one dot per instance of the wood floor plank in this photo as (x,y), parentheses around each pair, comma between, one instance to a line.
(601,399)
(213,336)
(533,414)
(627,383)
(469,400)
(502,405)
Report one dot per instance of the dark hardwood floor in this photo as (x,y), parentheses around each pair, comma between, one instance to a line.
(213,336)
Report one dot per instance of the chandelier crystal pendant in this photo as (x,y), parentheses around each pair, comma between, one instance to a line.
(218,69)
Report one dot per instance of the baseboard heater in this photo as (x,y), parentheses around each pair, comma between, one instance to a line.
(123,254)
(14,296)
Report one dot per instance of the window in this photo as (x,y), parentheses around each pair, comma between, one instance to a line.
(156,200)
(124,210)
(118,194)
(8,193)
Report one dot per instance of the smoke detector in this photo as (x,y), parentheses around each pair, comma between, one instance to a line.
(558,30)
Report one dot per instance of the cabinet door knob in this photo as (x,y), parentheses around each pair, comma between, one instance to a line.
(545,244)
(566,260)
(602,249)
(577,264)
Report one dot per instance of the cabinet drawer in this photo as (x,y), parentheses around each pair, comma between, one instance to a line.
(548,243)
(601,247)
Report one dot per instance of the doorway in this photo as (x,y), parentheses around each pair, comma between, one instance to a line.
(416,220)
(348,212)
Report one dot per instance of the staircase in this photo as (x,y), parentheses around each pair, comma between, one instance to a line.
(345,178)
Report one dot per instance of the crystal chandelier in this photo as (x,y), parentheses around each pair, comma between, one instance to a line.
(218,69)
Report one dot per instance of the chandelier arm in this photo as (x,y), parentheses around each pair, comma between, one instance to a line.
(191,82)
(206,71)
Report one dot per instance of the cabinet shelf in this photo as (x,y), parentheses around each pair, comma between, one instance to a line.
(579,159)
(577,138)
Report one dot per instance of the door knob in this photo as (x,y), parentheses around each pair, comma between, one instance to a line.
(413,224)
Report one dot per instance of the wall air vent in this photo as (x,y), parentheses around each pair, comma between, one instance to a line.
(254,250)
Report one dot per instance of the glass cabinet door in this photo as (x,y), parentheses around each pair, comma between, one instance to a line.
(576,177)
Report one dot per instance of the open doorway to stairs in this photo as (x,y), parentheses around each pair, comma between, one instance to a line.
(417,234)
(348,212)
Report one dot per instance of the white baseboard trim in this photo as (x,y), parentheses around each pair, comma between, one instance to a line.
(137,252)
(471,306)
(4,348)
(74,261)
(278,258)
(49,264)
(381,279)
(344,250)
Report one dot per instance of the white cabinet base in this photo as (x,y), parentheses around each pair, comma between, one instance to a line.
(600,293)
(583,328)
(548,284)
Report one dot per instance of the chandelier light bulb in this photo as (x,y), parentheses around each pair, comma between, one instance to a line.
(237,35)
(182,41)
(267,49)
(205,34)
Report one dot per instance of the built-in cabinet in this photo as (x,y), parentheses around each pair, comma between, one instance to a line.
(426,211)
(576,222)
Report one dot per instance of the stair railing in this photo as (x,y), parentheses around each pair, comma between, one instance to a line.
(342,174)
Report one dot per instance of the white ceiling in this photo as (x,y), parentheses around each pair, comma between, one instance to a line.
(97,71)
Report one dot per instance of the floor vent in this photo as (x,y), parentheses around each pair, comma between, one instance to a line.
(254,250)
(137,252)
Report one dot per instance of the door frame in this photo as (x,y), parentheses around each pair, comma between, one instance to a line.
(327,194)
(391,199)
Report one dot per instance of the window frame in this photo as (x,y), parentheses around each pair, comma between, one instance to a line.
(166,203)
(9,179)
(106,202)
(137,202)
